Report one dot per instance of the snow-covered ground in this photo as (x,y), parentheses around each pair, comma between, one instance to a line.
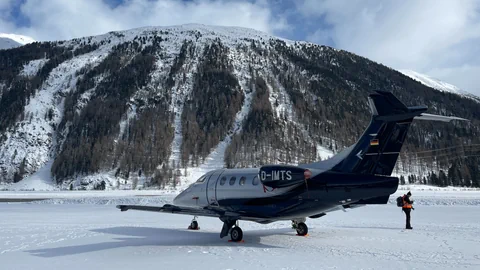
(40,180)
(94,236)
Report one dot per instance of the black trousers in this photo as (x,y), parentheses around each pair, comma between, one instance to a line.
(407,214)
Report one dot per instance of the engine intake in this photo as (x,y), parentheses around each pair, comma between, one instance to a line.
(277,176)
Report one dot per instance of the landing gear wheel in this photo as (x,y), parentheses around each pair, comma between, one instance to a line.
(236,234)
(193,225)
(302,229)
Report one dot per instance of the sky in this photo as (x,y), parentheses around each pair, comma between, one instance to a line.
(435,37)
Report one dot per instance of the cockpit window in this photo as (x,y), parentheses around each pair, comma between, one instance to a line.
(223,180)
(201,179)
(242,181)
(232,180)
(255,180)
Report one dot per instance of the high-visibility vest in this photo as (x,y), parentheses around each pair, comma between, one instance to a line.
(405,204)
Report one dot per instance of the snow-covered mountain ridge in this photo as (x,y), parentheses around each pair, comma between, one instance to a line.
(8,41)
(161,105)
(438,84)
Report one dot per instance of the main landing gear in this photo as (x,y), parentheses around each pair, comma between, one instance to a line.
(300,226)
(231,227)
(236,234)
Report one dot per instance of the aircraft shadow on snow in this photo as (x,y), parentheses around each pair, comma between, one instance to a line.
(145,236)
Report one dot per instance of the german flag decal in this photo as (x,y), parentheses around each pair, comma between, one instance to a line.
(374,142)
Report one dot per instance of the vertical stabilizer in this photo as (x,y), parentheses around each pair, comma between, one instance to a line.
(377,150)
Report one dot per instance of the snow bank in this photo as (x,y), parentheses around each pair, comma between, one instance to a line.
(435,188)
(108,200)
(41,180)
(445,197)
(160,200)
(431,195)
(441,200)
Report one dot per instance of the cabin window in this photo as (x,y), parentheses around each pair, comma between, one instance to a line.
(232,180)
(242,181)
(255,180)
(223,180)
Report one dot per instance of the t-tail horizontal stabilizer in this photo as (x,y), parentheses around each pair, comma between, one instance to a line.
(435,117)
(377,150)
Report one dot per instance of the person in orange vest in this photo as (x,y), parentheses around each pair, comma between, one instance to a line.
(407,208)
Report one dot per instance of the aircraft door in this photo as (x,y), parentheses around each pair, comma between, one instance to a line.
(212,188)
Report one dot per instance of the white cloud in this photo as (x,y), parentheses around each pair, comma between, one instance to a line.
(436,37)
(5,4)
(60,19)
(5,8)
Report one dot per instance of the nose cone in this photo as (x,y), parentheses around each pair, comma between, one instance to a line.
(177,200)
(183,199)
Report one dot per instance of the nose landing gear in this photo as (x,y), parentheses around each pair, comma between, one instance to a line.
(300,226)
(194,224)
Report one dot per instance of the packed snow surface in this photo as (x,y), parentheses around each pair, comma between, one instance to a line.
(94,236)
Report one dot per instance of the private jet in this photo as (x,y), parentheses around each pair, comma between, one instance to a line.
(358,176)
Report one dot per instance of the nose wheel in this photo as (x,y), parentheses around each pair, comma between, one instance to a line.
(300,227)
(194,225)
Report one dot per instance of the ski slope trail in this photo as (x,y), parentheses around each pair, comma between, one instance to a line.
(85,236)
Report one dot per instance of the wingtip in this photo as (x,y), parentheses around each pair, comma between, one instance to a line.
(122,207)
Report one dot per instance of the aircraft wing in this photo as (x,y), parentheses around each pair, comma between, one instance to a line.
(360,203)
(203,212)
(344,207)
(168,208)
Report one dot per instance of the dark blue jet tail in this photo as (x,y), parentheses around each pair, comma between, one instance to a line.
(377,150)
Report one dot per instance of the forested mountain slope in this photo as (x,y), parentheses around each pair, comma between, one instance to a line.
(153,103)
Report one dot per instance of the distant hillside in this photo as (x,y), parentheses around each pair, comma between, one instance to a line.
(146,106)
(8,41)
(438,84)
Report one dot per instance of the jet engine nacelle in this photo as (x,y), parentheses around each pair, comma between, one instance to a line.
(277,176)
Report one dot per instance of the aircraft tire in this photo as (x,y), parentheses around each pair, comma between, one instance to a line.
(236,234)
(302,229)
(194,225)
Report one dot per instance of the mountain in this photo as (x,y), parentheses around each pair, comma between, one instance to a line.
(158,106)
(8,41)
(437,84)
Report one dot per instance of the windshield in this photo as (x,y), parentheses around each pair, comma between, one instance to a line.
(201,179)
